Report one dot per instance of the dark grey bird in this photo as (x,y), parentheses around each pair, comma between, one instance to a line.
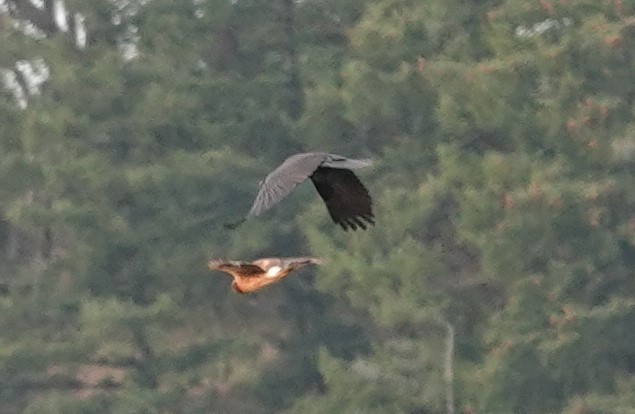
(347,200)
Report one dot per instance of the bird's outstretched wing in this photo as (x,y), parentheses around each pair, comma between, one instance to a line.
(287,262)
(284,179)
(346,198)
(230,266)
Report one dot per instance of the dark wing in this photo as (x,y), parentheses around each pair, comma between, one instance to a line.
(229,266)
(284,179)
(346,198)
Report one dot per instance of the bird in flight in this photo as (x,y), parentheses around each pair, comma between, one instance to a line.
(252,276)
(347,200)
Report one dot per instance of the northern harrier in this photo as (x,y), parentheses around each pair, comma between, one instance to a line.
(346,198)
(252,276)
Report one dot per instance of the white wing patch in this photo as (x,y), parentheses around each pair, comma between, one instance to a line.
(273,271)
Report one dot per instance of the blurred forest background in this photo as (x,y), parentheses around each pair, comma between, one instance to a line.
(500,277)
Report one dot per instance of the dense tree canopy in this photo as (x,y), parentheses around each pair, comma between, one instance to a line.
(500,277)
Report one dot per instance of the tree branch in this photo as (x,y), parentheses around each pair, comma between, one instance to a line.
(71,21)
(144,362)
(21,80)
(42,19)
(56,383)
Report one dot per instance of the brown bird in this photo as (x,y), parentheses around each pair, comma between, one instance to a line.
(252,276)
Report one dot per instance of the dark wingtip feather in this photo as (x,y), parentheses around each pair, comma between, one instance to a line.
(355,222)
(347,200)
(359,222)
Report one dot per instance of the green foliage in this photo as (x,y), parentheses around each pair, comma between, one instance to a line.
(499,275)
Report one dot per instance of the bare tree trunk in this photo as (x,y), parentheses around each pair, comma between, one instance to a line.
(12,243)
(71,22)
(294,84)
(144,361)
(448,368)
(20,78)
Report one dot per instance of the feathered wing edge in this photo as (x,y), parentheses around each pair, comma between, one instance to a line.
(337,161)
(301,261)
(293,262)
(229,266)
